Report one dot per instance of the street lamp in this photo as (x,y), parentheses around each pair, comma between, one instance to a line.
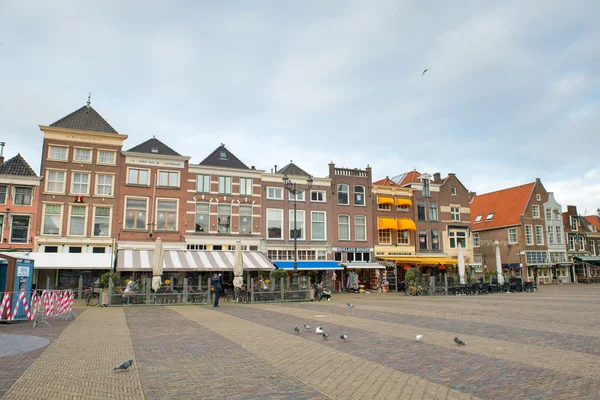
(295,191)
(484,266)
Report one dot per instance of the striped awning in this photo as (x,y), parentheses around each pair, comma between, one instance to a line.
(190,260)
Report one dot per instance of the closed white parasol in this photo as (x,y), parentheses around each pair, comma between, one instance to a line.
(157,264)
(238,266)
(461,265)
(499,264)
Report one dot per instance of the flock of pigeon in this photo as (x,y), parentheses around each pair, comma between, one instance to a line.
(319,331)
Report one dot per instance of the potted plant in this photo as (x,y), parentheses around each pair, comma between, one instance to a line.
(412,277)
(104,281)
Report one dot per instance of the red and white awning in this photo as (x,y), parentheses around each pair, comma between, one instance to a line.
(191,260)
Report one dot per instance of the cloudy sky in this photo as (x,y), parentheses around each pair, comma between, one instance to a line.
(513,90)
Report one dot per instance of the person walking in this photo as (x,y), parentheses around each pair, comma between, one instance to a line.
(216,284)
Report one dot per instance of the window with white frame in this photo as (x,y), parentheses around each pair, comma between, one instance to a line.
(3,189)
(453,191)
(548,213)
(22,196)
(435,239)
(136,213)
(19,229)
(245,219)
(573,223)
(558,256)
(83,155)
(55,182)
(478,218)
(343,227)
(476,242)
(246,186)
(598,247)
(203,183)
(528,235)
(321,255)
(224,218)
(274,223)
(536,257)
(403,208)
(426,188)
(317,227)
(224,185)
(343,195)
(490,216)
(513,236)
(104,184)
(52,219)
(457,237)
(166,215)
(423,239)
(77,220)
(592,248)
(299,196)
(317,196)
(455,213)
(359,195)
(535,211)
(136,176)
(274,193)
(58,153)
(421,211)
(168,179)
(106,157)
(202,218)
(101,221)
(384,207)
(551,235)
(581,240)
(403,237)
(299,233)
(360,227)
(80,183)
(384,236)
(539,234)
(571,242)
(559,234)
(433,211)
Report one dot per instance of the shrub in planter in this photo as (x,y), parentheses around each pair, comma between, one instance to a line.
(104,278)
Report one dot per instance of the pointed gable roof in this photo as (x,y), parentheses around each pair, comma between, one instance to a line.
(221,157)
(85,119)
(154,146)
(385,182)
(506,204)
(292,169)
(17,166)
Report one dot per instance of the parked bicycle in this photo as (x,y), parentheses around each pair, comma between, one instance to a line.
(92,297)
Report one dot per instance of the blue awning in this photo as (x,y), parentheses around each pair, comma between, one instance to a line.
(512,265)
(308,265)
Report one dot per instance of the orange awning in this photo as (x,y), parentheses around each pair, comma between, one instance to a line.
(385,200)
(405,224)
(387,223)
(403,202)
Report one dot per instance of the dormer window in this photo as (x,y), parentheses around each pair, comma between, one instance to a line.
(223,154)
(154,150)
(478,218)
(425,187)
(489,216)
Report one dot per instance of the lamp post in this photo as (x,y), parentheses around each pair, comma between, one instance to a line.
(484,266)
(295,191)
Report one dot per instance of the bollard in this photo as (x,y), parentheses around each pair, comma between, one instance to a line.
(80,288)
(185,290)
(251,291)
(110,288)
(282,290)
(309,288)
(209,291)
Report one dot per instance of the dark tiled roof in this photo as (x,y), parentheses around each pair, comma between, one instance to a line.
(85,119)
(292,169)
(16,166)
(154,146)
(222,157)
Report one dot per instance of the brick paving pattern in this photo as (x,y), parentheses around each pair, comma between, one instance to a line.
(541,345)
(19,363)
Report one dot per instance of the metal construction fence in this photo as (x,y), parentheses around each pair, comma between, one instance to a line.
(39,306)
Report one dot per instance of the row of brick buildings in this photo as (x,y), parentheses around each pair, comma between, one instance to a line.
(97,206)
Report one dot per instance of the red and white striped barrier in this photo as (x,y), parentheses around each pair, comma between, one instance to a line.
(5,305)
(71,301)
(35,304)
(21,299)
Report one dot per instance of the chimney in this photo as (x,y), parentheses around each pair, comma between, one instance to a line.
(2,152)
(472,196)
(598,212)
(252,167)
(572,210)
(275,168)
(437,177)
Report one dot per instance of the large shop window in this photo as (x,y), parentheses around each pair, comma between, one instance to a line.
(135,214)
(52,219)
(166,215)
(202,217)
(102,221)
(343,227)
(77,221)
(246,220)
(343,197)
(536,257)
(299,234)
(317,230)
(224,218)
(274,224)
(19,229)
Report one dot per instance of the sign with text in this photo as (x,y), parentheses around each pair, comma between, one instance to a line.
(22,271)
(357,249)
(152,162)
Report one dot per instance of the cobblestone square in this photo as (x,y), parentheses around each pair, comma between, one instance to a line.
(541,345)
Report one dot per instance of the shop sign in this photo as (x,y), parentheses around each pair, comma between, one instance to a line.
(351,249)
(154,162)
(22,271)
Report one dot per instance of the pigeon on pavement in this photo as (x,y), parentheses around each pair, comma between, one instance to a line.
(459,342)
(325,335)
(319,330)
(124,365)
(307,327)
(344,337)
(419,337)
(297,330)
(350,305)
